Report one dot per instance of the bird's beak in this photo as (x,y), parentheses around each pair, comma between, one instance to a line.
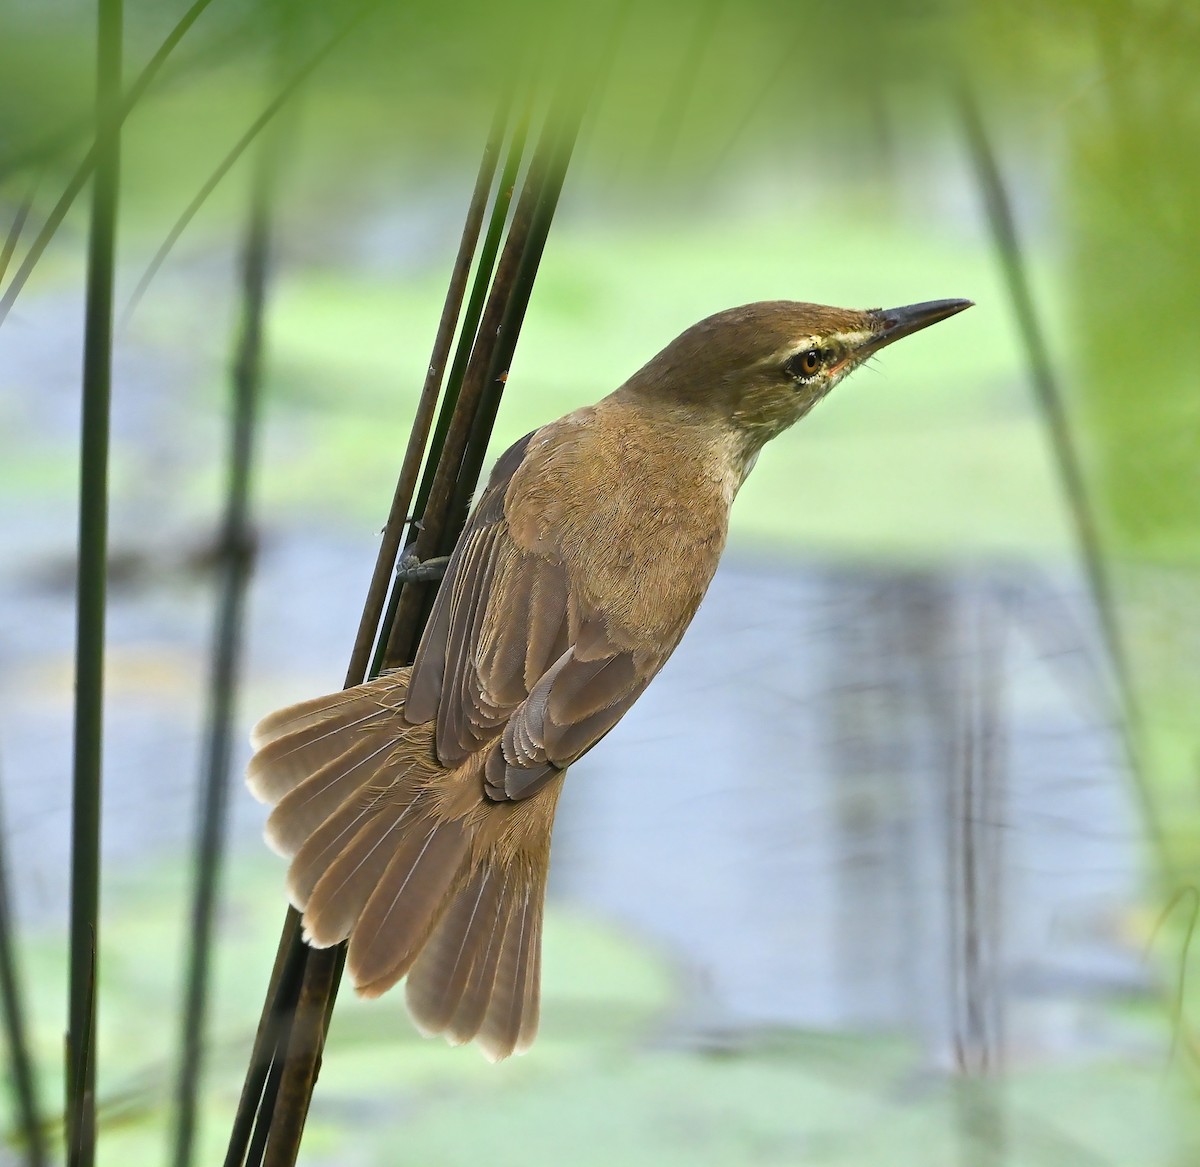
(892,323)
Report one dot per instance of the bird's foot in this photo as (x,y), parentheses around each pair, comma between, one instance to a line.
(410,569)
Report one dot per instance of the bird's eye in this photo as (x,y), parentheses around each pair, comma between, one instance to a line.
(803,364)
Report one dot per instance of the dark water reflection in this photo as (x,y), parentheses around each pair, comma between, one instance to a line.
(855,797)
(872,798)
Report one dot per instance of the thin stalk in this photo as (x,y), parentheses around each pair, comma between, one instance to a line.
(1067,460)
(24,1082)
(466,341)
(282,993)
(491,355)
(236,557)
(14,233)
(285,94)
(303,1059)
(475,305)
(435,515)
(389,547)
(554,159)
(91,159)
(295,1078)
(89,645)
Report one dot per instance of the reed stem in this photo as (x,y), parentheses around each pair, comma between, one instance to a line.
(90,603)
(236,555)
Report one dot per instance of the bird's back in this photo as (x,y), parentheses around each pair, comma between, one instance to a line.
(636,508)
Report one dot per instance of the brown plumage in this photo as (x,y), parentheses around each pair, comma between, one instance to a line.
(417,808)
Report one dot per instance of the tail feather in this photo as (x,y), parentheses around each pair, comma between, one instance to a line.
(322,848)
(501,1028)
(472,1007)
(439,978)
(306,806)
(284,763)
(478,977)
(341,892)
(297,741)
(293,718)
(531,1012)
(410,861)
(405,905)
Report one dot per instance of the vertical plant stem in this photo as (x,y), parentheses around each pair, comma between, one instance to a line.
(24,1084)
(507,301)
(1062,441)
(302,1062)
(553,163)
(89,647)
(282,994)
(393,531)
(475,305)
(483,380)
(236,559)
(296,1076)
(466,341)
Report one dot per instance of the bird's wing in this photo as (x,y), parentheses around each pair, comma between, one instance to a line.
(511,646)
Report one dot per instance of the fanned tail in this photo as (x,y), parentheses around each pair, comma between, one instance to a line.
(478,976)
(409,861)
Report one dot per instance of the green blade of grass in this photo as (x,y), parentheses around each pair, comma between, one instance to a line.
(256,127)
(14,233)
(13,1018)
(90,603)
(91,160)
(236,556)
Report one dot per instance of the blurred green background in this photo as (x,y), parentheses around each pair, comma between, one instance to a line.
(736,152)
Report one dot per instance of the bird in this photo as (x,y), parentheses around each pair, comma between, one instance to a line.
(416,809)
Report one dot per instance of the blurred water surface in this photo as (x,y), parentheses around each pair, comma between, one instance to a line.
(813,813)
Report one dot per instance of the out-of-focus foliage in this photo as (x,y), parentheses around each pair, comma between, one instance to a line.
(1096,116)
(684,80)
(1093,102)
(1135,268)
(1132,186)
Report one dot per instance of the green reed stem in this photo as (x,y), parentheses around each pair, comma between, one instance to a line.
(90,604)
(237,563)
(12,1019)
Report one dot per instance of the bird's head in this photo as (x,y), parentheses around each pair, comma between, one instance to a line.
(761,367)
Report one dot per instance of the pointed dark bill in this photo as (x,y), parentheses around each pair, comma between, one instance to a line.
(893,323)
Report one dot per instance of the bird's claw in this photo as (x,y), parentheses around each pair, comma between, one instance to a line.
(410,569)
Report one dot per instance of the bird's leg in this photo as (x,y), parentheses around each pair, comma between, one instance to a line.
(410,569)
